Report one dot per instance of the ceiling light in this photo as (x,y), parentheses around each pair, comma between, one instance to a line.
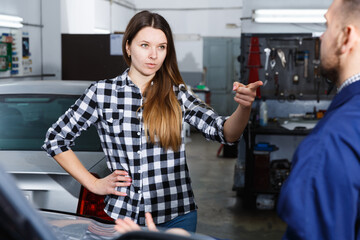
(101,31)
(10,21)
(289,15)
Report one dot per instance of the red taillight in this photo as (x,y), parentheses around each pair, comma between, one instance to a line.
(91,204)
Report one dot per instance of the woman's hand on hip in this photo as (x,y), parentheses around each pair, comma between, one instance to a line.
(109,184)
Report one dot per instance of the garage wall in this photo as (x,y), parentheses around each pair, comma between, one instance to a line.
(94,16)
(250,27)
(191,21)
(189,25)
(77,16)
(51,38)
(44,41)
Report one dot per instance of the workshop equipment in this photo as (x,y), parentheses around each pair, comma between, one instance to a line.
(273,58)
(254,62)
(262,165)
(299,57)
(281,55)
(267,78)
(276,82)
(316,63)
(267,55)
(265,201)
(261,177)
(279,171)
(292,61)
(306,65)
(295,79)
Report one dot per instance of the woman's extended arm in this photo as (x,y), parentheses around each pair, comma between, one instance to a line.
(236,123)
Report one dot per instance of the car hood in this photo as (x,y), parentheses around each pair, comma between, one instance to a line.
(68,226)
(37,162)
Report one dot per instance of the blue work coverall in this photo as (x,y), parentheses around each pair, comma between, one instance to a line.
(320,199)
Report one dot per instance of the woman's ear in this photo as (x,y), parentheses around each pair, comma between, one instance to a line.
(127,47)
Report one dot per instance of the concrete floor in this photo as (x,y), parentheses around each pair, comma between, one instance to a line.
(220,212)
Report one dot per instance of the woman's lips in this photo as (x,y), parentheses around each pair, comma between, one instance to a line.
(151,65)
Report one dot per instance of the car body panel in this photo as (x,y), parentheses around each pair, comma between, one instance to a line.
(45,184)
(43,181)
(44,87)
(76,227)
(19,220)
(37,162)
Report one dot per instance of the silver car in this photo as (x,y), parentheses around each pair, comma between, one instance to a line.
(27,110)
(18,220)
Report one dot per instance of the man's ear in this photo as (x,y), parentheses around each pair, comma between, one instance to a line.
(350,37)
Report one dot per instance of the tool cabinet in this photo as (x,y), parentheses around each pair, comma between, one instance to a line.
(289,67)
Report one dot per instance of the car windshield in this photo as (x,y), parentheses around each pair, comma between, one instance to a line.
(25,119)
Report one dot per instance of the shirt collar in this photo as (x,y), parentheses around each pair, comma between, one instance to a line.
(125,80)
(349,81)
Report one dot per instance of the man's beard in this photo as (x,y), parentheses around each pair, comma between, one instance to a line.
(331,71)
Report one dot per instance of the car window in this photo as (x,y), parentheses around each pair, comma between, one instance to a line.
(25,119)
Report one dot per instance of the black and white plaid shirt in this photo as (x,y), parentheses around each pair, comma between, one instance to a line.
(160,178)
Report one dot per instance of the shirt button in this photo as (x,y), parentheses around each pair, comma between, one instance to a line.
(139,152)
(139,192)
(140,171)
(138,133)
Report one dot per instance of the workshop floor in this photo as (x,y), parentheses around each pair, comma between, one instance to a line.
(220,212)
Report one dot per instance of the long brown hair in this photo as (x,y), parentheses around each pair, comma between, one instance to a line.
(162,112)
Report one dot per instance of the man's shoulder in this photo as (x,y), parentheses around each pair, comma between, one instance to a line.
(344,118)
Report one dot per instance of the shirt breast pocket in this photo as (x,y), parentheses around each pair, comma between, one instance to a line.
(113,119)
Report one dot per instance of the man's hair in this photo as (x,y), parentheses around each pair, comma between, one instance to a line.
(350,11)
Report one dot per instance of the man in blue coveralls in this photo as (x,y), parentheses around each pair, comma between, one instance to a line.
(321,198)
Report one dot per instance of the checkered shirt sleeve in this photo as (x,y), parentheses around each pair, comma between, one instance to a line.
(161,183)
(201,116)
(80,116)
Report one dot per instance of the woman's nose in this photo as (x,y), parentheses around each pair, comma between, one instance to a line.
(153,53)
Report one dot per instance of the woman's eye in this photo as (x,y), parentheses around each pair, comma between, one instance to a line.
(162,47)
(144,45)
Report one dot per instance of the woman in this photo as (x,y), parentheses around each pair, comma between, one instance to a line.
(139,117)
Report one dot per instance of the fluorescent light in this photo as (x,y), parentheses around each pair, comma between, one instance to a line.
(101,31)
(10,24)
(10,21)
(289,15)
(9,18)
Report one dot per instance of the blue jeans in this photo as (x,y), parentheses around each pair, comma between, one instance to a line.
(187,222)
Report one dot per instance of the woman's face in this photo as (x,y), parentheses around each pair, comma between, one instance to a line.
(147,52)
